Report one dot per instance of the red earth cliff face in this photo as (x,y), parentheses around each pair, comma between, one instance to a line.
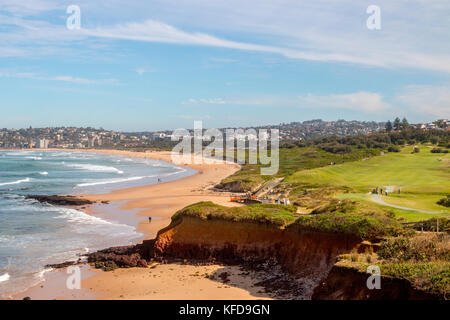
(306,258)
(302,253)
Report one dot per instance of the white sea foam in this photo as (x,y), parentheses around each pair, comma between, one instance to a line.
(175,172)
(40,274)
(97,183)
(21,153)
(92,167)
(5,238)
(73,215)
(44,173)
(34,158)
(4,277)
(86,223)
(15,182)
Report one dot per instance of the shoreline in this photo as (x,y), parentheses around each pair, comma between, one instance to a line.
(161,201)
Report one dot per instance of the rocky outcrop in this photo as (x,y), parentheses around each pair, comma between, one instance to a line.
(343,283)
(233,186)
(60,200)
(62,265)
(123,257)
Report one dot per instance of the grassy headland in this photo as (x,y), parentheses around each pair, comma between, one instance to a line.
(342,218)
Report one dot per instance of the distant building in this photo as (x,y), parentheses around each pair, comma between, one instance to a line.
(94,141)
(43,144)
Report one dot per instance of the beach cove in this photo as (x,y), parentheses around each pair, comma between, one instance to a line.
(163,281)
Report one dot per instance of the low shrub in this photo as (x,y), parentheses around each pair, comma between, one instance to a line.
(438,150)
(445,201)
(422,248)
(393,149)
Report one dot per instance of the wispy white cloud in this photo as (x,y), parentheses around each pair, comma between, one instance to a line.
(432,101)
(223,60)
(414,34)
(28,7)
(424,101)
(207,101)
(63,78)
(144,99)
(367,102)
(141,71)
(155,31)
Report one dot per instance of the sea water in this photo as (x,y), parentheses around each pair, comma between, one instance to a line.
(34,234)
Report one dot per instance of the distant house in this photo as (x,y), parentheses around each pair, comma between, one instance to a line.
(43,144)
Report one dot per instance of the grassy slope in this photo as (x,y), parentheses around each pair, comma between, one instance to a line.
(293,160)
(261,213)
(422,177)
(345,218)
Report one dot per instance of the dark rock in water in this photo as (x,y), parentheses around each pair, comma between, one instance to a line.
(60,200)
(26,298)
(62,265)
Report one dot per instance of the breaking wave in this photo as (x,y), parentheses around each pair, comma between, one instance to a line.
(96,168)
(15,182)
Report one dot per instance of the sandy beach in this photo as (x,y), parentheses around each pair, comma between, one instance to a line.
(169,281)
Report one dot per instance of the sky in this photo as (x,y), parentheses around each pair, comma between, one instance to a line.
(161,64)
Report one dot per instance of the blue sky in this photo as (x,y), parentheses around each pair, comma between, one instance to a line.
(163,64)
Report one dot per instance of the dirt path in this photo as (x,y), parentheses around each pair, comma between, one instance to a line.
(377,198)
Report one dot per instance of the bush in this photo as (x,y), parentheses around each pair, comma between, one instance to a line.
(438,150)
(432,224)
(336,148)
(416,150)
(423,248)
(445,201)
(393,149)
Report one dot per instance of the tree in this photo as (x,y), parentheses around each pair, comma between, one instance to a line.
(397,123)
(388,126)
(405,124)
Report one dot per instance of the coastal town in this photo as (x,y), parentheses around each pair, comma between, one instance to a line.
(79,138)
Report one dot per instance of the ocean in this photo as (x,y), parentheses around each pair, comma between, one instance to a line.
(33,234)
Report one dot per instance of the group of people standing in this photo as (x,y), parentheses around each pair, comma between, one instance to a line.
(381,191)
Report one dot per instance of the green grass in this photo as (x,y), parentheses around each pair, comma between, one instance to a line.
(293,160)
(358,225)
(424,178)
(259,213)
(407,215)
(338,217)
